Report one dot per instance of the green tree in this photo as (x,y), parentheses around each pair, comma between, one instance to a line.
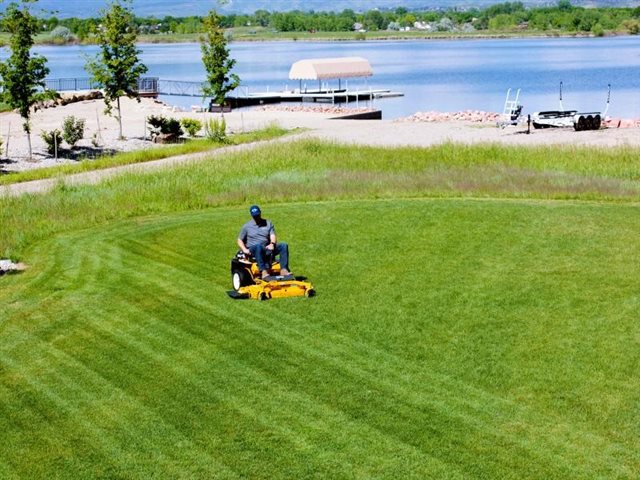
(374,20)
(117,68)
(217,63)
(564,5)
(22,74)
(262,17)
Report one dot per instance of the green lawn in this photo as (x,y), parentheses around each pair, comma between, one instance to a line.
(485,328)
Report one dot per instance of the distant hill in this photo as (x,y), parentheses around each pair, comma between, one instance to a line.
(180,8)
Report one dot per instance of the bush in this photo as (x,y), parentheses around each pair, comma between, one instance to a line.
(216,130)
(191,125)
(73,130)
(155,124)
(597,30)
(632,26)
(161,125)
(172,127)
(61,35)
(52,138)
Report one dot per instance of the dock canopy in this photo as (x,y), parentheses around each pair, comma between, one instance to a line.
(330,68)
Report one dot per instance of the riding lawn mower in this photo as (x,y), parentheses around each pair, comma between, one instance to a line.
(247,281)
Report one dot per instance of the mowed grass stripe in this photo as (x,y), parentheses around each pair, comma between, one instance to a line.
(242,399)
(175,277)
(98,426)
(136,316)
(297,363)
(465,408)
(85,397)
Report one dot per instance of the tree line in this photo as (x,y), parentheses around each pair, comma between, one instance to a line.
(116,69)
(509,16)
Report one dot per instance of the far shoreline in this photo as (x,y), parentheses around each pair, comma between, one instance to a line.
(305,37)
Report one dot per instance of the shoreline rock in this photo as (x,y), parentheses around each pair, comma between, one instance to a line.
(475,116)
(332,110)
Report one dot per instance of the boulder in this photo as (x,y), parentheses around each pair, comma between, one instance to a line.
(164,138)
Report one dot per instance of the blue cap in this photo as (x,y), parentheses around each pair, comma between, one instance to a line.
(255,210)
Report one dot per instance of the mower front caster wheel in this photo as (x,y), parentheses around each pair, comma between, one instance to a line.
(240,278)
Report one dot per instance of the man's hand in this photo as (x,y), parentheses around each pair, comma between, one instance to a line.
(270,247)
(243,247)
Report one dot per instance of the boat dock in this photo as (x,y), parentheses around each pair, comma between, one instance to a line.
(320,70)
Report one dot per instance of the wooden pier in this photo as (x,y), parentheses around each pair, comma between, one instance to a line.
(318,96)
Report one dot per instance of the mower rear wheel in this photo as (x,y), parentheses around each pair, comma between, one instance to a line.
(240,278)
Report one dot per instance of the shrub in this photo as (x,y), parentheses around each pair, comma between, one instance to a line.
(216,130)
(172,127)
(73,130)
(61,35)
(632,26)
(52,138)
(597,30)
(191,125)
(161,125)
(155,124)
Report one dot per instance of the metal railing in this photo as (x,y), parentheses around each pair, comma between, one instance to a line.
(145,84)
(180,88)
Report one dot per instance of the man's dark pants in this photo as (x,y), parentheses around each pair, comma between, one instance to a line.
(261,254)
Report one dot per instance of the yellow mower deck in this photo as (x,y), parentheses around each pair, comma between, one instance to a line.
(247,282)
(264,290)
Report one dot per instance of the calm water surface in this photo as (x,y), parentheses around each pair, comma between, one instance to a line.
(434,75)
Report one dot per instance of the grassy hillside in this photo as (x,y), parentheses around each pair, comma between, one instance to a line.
(476,317)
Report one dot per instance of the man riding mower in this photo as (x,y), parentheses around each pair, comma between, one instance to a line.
(254,271)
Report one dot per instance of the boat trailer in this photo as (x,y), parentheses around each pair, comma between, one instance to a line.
(570,118)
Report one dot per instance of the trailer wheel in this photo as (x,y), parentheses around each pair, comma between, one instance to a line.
(581,124)
(589,122)
(597,122)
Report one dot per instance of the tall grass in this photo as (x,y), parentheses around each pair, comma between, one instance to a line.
(313,170)
(140,156)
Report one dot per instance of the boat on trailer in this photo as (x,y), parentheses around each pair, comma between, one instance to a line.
(570,118)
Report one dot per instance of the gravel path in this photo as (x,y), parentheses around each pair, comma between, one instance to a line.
(97,176)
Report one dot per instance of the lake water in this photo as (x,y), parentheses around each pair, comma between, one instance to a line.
(447,75)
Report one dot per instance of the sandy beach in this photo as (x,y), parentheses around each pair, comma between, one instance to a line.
(318,121)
